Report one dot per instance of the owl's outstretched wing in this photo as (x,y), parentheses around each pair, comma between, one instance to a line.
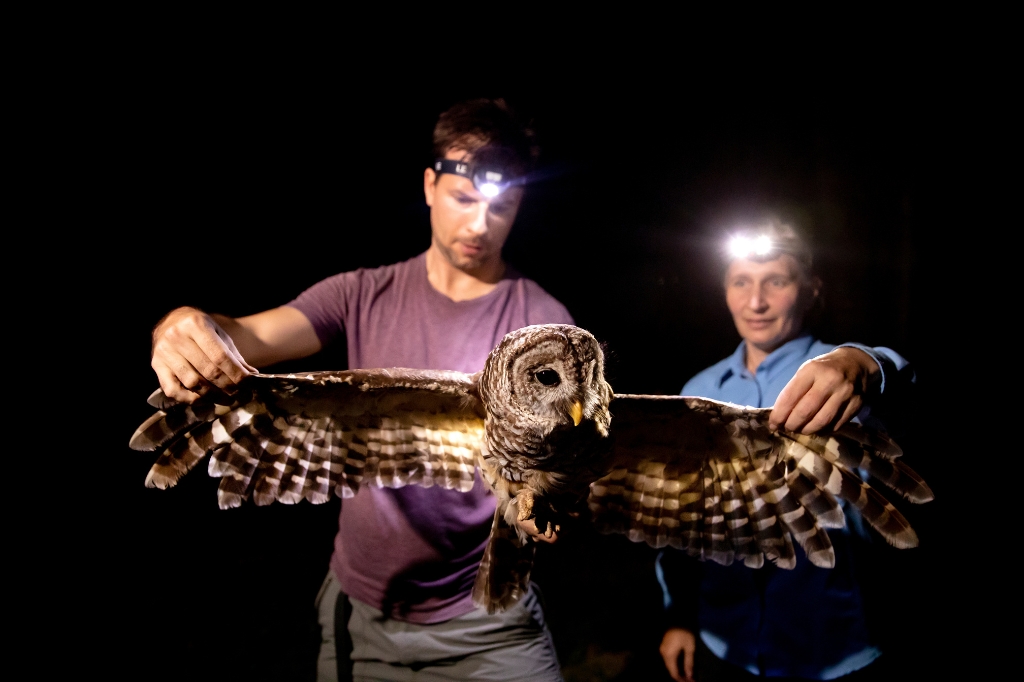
(292,437)
(711,478)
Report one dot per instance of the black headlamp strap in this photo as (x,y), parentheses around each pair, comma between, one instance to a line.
(468,170)
(453,167)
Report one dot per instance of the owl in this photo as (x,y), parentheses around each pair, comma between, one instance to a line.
(551,439)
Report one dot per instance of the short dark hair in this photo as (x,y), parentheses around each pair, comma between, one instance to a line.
(474,124)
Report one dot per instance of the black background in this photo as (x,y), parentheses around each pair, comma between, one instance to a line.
(232,183)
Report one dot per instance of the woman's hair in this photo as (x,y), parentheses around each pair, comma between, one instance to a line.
(784,239)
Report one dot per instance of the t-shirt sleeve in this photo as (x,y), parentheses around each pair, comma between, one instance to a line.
(326,304)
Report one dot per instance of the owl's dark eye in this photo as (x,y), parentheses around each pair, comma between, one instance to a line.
(549,377)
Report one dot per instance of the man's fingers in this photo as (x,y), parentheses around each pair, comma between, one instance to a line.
(215,365)
(238,356)
(197,340)
(228,362)
(193,356)
(220,361)
(222,356)
(187,374)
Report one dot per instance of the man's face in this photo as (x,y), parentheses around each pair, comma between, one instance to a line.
(468,228)
(768,300)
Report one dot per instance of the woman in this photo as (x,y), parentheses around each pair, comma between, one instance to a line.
(805,623)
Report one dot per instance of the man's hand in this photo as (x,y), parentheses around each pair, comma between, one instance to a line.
(826,391)
(192,353)
(530,528)
(676,641)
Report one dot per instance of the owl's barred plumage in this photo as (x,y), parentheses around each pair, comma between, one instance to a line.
(548,435)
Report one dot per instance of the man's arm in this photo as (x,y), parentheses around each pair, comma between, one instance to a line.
(831,389)
(193,350)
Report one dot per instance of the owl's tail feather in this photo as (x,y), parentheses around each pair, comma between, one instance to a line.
(504,575)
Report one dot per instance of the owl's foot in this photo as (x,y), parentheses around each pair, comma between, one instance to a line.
(524,501)
(528,508)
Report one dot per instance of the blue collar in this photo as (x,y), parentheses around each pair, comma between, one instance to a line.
(777,359)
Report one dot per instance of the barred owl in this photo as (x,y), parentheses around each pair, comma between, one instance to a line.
(551,439)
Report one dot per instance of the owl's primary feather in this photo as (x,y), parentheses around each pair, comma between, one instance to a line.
(549,436)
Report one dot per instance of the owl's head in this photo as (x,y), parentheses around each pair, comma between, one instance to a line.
(551,375)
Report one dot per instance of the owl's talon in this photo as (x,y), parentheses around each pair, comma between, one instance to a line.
(525,500)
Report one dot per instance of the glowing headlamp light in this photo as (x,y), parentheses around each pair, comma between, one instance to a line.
(487,181)
(745,247)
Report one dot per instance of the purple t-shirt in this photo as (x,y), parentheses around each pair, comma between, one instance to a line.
(413,552)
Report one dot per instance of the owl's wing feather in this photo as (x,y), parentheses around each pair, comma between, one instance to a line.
(711,478)
(292,437)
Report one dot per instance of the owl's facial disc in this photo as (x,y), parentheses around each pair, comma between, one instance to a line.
(551,378)
(551,382)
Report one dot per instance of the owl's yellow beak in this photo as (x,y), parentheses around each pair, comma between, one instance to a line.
(576,412)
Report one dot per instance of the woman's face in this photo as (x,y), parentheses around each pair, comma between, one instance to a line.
(768,300)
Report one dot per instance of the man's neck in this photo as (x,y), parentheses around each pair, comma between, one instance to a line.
(462,285)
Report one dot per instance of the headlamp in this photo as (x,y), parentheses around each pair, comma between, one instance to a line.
(745,247)
(488,182)
(488,170)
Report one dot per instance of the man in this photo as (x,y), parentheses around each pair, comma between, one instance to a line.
(405,560)
(809,622)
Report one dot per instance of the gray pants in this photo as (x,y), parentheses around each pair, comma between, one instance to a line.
(507,647)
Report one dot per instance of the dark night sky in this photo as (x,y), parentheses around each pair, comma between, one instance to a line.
(233,188)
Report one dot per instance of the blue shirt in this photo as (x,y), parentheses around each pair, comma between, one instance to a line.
(806,622)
